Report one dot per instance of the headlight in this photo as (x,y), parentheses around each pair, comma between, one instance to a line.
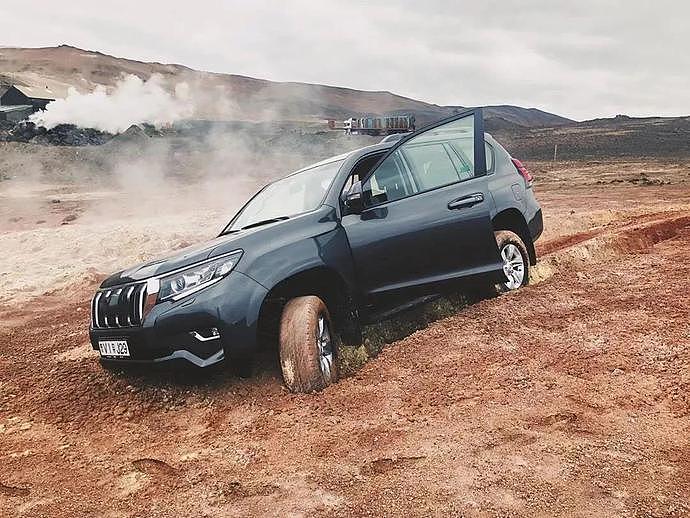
(196,277)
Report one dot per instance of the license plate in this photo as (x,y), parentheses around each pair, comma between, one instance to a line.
(114,348)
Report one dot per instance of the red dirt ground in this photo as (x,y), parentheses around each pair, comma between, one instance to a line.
(568,398)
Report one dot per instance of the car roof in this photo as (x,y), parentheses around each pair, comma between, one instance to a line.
(381,146)
(356,154)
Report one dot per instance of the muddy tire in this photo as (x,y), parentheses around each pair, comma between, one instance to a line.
(515,261)
(307,345)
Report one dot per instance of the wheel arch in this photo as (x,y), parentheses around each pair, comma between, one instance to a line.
(322,281)
(513,220)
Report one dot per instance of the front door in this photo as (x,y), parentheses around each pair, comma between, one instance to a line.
(426,216)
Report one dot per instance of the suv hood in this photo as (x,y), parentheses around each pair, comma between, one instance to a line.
(182,258)
(251,241)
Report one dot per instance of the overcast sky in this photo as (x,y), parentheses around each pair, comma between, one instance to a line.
(581,59)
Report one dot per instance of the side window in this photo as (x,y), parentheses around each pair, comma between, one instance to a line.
(464,148)
(348,183)
(430,165)
(460,162)
(361,169)
(389,182)
(439,156)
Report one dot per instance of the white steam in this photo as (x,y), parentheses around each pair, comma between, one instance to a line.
(133,101)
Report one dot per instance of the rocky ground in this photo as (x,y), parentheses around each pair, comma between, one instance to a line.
(568,398)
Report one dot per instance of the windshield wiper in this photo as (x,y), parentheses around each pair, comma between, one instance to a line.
(265,222)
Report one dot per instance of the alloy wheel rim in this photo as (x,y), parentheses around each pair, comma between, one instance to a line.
(513,266)
(325,346)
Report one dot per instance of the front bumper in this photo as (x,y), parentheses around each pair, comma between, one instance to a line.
(214,324)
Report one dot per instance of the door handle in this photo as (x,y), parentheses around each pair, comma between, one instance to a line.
(466,201)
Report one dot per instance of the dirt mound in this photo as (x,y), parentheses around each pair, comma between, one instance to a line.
(606,243)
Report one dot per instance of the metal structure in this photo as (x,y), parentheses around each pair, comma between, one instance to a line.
(15,113)
(376,125)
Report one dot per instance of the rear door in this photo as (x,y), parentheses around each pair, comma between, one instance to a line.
(426,217)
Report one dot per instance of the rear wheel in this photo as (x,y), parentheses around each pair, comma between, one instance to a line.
(307,345)
(515,260)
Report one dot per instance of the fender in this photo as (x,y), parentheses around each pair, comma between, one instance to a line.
(312,240)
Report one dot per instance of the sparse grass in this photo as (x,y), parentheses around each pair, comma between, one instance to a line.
(379,335)
(351,359)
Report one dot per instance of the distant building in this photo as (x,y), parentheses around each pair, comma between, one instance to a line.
(16,113)
(16,99)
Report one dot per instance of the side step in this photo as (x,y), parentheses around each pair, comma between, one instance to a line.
(392,312)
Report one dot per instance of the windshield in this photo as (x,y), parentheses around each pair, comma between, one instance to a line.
(294,194)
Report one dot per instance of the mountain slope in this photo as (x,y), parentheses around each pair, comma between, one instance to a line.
(229,96)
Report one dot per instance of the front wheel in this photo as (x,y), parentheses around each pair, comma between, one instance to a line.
(515,260)
(307,345)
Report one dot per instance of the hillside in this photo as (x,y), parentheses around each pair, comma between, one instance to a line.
(229,96)
(615,137)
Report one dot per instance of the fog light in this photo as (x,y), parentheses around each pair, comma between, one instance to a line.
(205,335)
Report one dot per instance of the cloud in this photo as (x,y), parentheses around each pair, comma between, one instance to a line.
(580,59)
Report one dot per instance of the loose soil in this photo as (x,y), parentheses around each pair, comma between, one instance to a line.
(567,398)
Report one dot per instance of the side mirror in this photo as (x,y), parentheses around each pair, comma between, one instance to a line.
(353,198)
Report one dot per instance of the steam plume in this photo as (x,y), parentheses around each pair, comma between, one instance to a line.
(132,101)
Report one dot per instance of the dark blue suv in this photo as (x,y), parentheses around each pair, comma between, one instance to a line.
(313,256)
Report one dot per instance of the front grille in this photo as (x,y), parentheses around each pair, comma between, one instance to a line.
(118,307)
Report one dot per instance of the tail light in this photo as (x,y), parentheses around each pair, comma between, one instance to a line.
(523,171)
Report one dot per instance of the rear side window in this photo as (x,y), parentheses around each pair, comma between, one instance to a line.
(465,149)
(460,162)
(431,166)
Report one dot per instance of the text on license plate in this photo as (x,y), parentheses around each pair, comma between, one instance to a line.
(113,348)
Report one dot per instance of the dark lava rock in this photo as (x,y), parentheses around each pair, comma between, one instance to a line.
(60,135)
